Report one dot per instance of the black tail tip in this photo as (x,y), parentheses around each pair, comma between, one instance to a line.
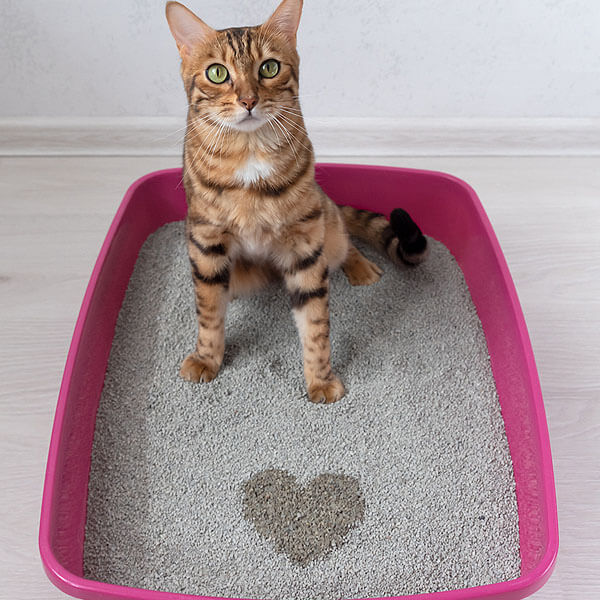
(412,246)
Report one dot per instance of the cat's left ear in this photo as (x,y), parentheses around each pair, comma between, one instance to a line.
(286,18)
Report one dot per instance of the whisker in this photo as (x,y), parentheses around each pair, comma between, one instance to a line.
(221,143)
(216,143)
(289,122)
(196,134)
(291,133)
(164,137)
(208,150)
(283,109)
(269,119)
(195,120)
(299,96)
(286,136)
(290,109)
(300,114)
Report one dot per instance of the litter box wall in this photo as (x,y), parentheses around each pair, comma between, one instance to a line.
(447,209)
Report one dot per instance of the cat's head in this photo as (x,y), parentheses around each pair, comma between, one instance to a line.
(241,77)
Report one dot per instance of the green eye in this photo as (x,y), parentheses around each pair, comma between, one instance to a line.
(269,68)
(217,73)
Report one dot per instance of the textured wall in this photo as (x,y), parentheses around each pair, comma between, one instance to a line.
(360,58)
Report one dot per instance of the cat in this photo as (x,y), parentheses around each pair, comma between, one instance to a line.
(255,211)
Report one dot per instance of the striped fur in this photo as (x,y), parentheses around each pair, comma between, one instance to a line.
(255,212)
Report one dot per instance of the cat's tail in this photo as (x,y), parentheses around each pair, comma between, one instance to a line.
(400,238)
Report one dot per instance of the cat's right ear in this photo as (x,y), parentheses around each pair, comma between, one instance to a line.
(187,29)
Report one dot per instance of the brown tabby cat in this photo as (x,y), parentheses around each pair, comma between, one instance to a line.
(255,212)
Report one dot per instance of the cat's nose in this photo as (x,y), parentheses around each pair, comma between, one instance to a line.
(248,102)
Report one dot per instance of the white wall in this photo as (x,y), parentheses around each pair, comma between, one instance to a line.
(378,76)
(369,58)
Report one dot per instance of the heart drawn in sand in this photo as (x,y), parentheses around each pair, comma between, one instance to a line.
(306,522)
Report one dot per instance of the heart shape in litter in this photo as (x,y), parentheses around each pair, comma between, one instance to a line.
(303,522)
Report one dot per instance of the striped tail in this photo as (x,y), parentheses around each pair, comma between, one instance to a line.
(400,238)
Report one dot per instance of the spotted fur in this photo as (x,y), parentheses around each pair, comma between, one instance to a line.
(255,212)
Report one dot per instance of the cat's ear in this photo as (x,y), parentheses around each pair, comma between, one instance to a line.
(286,18)
(186,27)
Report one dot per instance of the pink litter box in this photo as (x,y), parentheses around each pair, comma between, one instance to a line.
(446,209)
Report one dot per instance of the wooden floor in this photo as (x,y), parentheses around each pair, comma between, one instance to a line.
(54,214)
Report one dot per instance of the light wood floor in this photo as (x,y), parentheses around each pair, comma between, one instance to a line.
(54,214)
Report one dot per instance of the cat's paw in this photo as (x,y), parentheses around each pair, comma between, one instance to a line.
(360,270)
(364,272)
(326,392)
(197,369)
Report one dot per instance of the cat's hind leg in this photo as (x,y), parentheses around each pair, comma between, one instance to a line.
(360,270)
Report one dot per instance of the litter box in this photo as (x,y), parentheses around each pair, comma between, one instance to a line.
(446,209)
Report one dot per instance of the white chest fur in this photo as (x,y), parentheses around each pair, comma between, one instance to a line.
(253,170)
(253,248)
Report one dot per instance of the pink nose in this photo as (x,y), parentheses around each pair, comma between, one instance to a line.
(249,102)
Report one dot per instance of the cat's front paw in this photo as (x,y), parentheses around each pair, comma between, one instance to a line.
(326,392)
(196,369)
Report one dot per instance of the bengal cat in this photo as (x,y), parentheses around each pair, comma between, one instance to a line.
(255,211)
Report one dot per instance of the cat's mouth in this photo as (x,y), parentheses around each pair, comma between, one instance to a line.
(248,122)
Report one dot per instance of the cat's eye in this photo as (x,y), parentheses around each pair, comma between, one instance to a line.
(269,68)
(217,73)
